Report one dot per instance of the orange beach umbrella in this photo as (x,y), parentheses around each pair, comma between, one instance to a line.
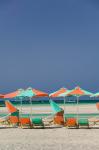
(12,94)
(78,92)
(58,92)
(39,93)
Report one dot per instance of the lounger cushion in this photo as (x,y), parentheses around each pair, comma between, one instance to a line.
(71,122)
(25,121)
(37,121)
(83,122)
(13,119)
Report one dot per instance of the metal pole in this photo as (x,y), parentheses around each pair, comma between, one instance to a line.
(21,106)
(64,107)
(31,107)
(77,109)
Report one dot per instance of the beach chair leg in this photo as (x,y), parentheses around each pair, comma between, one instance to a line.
(77,126)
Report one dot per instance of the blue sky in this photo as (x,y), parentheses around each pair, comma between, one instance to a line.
(48,44)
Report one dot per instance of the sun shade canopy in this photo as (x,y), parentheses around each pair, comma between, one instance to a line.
(95,95)
(12,94)
(79,92)
(39,93)
(58,92)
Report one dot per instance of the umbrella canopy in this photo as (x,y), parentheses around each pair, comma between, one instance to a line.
(58,92)
(13,94)
(95,95)
(1,96)
(29,92)
(26,93)
(78,92)
(39,93)
(55,107)
(65,93)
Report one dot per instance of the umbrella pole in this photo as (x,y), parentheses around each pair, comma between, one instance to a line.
(21,105)
(31,107)
(77,109)
(64,107)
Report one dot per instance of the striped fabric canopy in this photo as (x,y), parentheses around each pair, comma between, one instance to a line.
(13,94)
(29,92)
(78,92)
(39,93)
(58,92)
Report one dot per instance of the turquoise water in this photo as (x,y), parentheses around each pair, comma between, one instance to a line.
(46,102)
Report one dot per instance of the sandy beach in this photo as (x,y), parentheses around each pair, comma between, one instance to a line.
(49,139)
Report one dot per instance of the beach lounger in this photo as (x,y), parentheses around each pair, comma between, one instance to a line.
(94,122)
(25,122)
(97,106)
(83,122)
(37,123)
(5,120)
(14,114)
(13,121)
(58,113)
(71,123)
(59,118)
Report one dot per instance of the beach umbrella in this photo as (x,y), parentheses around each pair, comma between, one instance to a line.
(59,93)
(28,93)
(33,93)
(78,92)
(16,94)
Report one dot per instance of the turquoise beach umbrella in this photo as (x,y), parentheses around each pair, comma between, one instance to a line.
(29,94)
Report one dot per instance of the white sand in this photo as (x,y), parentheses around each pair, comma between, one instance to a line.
(49,139)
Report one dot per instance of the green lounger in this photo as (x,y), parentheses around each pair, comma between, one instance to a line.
(37,122)
(83,122)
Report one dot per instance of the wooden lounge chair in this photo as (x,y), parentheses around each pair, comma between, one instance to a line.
(58,113)
(83,122)
(25,122)
(13,121)
(4,120)
(71,123)
(59,118)
(94,121)
(37,123)
(97,106)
